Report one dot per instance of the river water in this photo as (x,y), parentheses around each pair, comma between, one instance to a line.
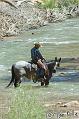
(58,39)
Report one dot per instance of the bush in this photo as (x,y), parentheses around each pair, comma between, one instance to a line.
(50,4)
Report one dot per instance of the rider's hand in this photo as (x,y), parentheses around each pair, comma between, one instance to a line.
(43,60)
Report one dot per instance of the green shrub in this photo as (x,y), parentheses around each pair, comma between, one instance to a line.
(50,4)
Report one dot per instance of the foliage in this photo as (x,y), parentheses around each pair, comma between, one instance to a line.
(74,1)
(25,105)
(48,4)
(57,3)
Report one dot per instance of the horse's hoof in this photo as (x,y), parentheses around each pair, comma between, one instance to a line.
(34,81)
(46,83)
(17,85)
(42,83)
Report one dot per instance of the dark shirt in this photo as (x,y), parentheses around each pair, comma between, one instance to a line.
(35,54)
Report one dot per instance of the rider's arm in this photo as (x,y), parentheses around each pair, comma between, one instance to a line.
(39,55)
(32,54)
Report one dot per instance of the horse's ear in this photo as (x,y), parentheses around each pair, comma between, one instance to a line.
(55,58)
(60,59)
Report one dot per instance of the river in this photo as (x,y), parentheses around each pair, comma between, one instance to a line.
(58,39)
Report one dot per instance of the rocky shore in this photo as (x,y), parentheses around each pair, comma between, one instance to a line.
(20,16)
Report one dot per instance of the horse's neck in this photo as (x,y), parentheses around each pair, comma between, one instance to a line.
(51,66)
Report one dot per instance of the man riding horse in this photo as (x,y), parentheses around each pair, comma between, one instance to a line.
(37,58)
(42,73)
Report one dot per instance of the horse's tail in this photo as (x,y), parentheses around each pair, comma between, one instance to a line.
(13,75)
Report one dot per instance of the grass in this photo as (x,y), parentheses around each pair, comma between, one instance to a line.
(48,4)
(29,100)
(25,105)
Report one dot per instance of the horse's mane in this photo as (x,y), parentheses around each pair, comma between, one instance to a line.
(51,65)
(52,62)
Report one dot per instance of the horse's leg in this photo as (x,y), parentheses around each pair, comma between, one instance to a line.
(42,83)
(17,78)
(46,82)
(17,81)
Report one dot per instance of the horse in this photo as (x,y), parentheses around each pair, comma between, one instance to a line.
(32,72)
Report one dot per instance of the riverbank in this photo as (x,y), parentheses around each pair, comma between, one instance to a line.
(26,16)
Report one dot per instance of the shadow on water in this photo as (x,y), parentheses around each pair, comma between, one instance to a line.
(66,77)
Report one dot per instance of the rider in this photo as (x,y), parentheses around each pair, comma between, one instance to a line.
(37,57)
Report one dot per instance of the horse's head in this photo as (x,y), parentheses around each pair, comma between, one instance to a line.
(54,64)
(57,61)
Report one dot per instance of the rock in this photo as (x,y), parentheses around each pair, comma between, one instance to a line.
(71,104)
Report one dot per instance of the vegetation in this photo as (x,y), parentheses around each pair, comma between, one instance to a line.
(25,105)
(33,102)
(57,3)
(48,4)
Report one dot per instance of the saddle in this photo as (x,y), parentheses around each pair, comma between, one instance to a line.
(33,65)
(40,72)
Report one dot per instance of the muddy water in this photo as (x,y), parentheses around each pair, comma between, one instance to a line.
(58,39)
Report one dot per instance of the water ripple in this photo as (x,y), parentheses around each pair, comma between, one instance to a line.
(59,42)
(2,68)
